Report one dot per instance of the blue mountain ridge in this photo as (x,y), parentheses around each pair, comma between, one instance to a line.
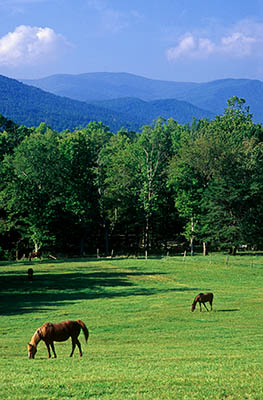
(100,86)
(30,106)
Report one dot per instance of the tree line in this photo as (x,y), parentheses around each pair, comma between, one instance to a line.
(166,188)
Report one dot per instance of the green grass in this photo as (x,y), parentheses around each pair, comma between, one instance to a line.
(145,343)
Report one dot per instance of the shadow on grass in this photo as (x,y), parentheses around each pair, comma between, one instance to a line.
(19,295)
(229,310)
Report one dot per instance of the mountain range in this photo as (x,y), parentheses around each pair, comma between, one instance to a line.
(100,86)
(120,100)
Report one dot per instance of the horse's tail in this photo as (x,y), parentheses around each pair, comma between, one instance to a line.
(84,328)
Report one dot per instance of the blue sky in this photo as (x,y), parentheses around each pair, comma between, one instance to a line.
(179,40)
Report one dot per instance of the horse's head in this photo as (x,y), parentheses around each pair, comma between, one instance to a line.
(31,350)
(193,306)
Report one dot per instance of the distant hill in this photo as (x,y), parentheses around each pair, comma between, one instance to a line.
(134,110)
(211,96)
(30,106)
(106,86)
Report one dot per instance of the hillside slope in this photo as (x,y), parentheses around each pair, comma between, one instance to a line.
(146,112)
(30,106)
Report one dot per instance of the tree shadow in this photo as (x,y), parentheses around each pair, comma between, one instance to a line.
(19,295)
(250,254)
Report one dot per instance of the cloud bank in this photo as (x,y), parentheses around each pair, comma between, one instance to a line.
(243,40)
(29,45)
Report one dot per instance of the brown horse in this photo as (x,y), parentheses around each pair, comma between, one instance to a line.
(30,273)
(203,298)
(58,333)
(34,254)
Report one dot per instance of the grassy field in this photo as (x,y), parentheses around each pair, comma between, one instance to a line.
(145,343)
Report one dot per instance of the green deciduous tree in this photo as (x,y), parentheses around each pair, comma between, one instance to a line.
(30,187)
(79,154)
(212,174)
(153,151)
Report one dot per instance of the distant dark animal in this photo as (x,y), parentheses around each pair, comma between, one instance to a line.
(203,298)
(60,332)
(30,273)
(34,254)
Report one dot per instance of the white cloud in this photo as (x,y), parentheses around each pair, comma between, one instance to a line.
(29,45)
(242,40)
(191,47)
(237,44)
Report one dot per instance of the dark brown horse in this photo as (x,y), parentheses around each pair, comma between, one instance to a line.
(60,332)
(34,254)
(30,273)
(203,298)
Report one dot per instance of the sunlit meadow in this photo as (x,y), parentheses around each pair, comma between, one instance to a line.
(145,343)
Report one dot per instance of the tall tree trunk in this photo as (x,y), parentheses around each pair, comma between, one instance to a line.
(106,237)
(192,238)
(146,235)
(205,252)
(233,251)
(192,245)
(37,247)
(104,224)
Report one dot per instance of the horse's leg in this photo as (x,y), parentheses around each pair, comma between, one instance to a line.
(48,349)
(200,306)
(205,307)
(53,349)
(79,346)
(73,346)
(211,303)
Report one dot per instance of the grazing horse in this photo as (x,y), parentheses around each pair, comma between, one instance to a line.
(34,254)
(30,273)
(203,298)
(58,333)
